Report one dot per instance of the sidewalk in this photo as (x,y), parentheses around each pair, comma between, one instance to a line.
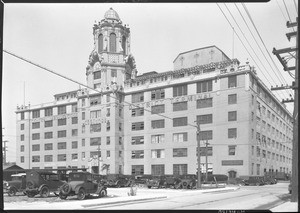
(286,207)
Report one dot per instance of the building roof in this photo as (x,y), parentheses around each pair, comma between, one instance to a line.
(201,49)
(11,167)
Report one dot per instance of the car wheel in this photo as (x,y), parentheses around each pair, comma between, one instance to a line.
(62,196)
(103,193)
(30,184)
(65,188)
(45,191)
(12,192)
(184,185)
(81,194)
(30,194)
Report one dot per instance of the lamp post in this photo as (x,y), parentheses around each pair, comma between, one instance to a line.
(206,166)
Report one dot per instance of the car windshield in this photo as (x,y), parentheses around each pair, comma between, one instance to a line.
(49,176)
(16,178)
(76,176)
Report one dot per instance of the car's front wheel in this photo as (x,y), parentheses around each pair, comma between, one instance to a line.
(62,196)
(12,192)
(103,193)
(45,191)
(81,194)
(30,194)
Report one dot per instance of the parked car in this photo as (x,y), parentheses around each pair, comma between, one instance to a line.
(82,184)
(42,182)
(117,180)
(252,180)
(17,184)
(156,182)
(141,179)
(270,180)
(172,181)
(187,182)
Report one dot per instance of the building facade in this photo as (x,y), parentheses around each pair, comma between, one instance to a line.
(146,124)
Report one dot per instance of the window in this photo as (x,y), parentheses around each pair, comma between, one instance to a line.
(61,145)
(120,140)
(82,155)
(232,81)
(22,126)
(206,135)
(137,154)
(205,119)
(48,158)
(137,112)
(100,43)
(158,124)
(95,100)
(74,144)
(22,159)
(204,86)
(96,86)
(22,137)
(180,121)
(232,116)
(204,151)
(137,97)
(136,140)
(83,102)
(74,132)
(157,138)
(107,98)
(62,121)
(231,150)
(82,142)
(158,169)
(83,128)
(22,117)
(180,152)
(158,109)
(95,141)
(49,123)
(112,42)
(204,103)
(137,126)
(180,137)
(74,107)
(107,140)
(107,125)
(137,169)
(180,106)
(232,99)
(48,146)
(36,136)
(35,125)
(180,169)
(95,128)
(62,134)
(157,94)
(232,133)
(74,156)
(48,135)
(35,113)
(62,157)
(74,120)
(61,110)
(22,148)
(258,169)
(36,158)
(113,73)
(36,147)
(107,154)
(107,112)
(180,90)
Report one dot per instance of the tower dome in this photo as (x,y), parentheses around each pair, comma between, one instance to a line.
(111,14)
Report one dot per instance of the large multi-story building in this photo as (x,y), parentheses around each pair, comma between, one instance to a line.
(146,124)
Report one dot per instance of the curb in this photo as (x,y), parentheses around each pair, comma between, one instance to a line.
(122,201)
(220,191)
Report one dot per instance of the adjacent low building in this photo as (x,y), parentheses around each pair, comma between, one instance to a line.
(146,124)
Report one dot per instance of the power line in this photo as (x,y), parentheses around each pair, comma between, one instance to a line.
(262,41)
(296,6)
(287,11)
(251,45)
(285,19)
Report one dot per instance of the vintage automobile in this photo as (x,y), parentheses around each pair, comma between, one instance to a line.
(252,180)
(117,180)
(141,180)
(156,182)
(187,182)
(42,182)
(17,184)
(171,181)
(82,184)
(270,180)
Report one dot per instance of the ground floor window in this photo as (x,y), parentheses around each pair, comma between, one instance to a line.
(137,169)
(158,169)
(232,174)
(179,169)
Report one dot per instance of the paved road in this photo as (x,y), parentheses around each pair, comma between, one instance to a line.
(247,197)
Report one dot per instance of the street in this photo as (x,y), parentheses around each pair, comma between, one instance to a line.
(247,197)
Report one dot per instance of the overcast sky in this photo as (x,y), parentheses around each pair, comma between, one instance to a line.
(59,37)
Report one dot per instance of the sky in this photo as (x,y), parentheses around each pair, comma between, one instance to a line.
(59,37)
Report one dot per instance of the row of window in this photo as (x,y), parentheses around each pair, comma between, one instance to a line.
(181,90)
(267,155)
(181,121)
(159,169)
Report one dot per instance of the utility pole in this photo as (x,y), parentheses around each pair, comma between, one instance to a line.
(294,197)
(198,156)
(206,165)
(98,159)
